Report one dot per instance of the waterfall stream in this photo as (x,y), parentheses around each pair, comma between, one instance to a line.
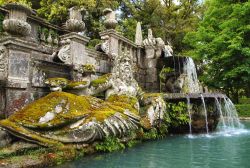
(192,79)
(190,117)
(205,111)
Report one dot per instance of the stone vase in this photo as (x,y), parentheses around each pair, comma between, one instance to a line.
(17,24)
(75,23)
(110,21)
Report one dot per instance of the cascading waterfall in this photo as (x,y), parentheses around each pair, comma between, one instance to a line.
(190,70)
(229,117)
(190,117)
(205,111)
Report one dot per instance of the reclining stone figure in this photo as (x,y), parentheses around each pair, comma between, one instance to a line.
(63,118)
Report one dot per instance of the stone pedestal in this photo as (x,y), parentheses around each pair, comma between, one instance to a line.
(78,54)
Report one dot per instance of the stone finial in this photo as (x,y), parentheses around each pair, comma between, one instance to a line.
(110,21)
(75,23)
(138,35)
(17,22)
(150,34)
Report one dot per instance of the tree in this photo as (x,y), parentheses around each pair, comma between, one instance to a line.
(167,19)
(57,12)
(221,42)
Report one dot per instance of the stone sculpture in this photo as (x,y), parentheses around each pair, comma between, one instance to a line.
(168,51)
(17,22)
(3,62)
(75,23)
(60,118)
(63,54)
(110,21)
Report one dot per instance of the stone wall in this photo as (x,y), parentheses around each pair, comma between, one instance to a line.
(26,60)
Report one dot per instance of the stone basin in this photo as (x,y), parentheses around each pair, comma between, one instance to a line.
(198,123)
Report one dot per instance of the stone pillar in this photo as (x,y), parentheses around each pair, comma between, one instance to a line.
(17,24)
(111,40)
(78,54)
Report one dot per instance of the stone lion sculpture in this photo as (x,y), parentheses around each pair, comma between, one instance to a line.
(62,118)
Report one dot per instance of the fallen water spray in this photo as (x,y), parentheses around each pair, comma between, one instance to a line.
(205,111)
(218,105)
(190,117)
(190,70)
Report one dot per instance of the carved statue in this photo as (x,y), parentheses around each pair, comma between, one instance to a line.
(61,118)
(154,47)
(64,54)
(168,51)
(2,58)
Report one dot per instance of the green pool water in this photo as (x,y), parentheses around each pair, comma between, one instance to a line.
(217,150)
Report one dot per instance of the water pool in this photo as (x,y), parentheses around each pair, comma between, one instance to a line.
(216,150)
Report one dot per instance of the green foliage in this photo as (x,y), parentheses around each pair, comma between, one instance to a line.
(132,143)
(244,100)
(167,19)
(243,110)
(110,144)
(222,43)
(162,75)
(26,3)
(177,113)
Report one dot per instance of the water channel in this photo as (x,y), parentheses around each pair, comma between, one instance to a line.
(222,149)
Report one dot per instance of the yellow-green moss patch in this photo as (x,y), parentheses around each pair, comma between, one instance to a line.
(101,80)
(77,85)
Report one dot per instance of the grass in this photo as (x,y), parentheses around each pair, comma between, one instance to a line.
(243,110)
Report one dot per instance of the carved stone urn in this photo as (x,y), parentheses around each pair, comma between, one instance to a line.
(110,21)
(17,24)
(75,23)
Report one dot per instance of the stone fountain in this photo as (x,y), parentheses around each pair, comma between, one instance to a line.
(70,94)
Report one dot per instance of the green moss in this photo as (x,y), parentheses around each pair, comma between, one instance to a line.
(77,85)
(67,109)
(72,107)
(57,81)
(101,80)
(149,95)
(88,68)
(27,134)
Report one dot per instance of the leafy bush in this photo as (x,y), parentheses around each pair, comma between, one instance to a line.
(244,100)
(110,144)
(178,113)
(243,110)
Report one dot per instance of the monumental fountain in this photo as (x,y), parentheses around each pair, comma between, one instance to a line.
(55,91)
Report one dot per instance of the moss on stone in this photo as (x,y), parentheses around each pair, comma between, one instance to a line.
(101,80)
(57,81)
(77,85)
(72,107)
(149,95)
(67,109)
